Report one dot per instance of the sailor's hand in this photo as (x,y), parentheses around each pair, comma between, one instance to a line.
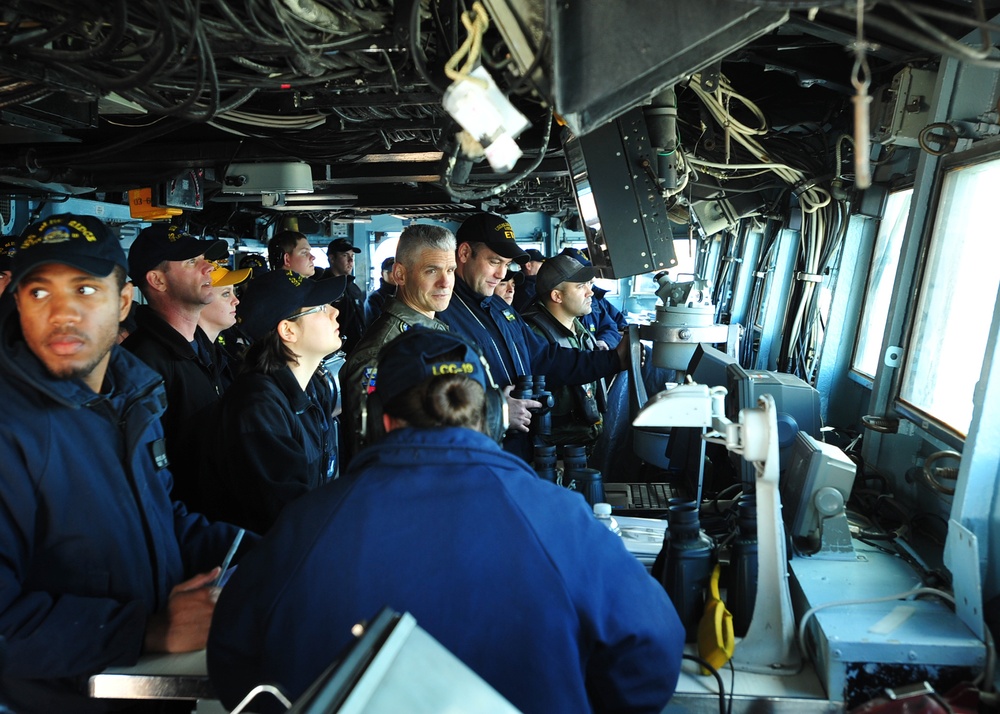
(183,625)
(517,412)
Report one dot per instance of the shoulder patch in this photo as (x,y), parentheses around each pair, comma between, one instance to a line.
(369,379)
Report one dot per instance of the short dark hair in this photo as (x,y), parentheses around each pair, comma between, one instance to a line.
(280,245)
(121,277)
(269,354)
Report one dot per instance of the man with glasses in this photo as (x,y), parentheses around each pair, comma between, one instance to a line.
(273,439)
(486,247)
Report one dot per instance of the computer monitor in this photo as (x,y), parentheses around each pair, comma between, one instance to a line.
(814,489)
(796,402)
(708,366)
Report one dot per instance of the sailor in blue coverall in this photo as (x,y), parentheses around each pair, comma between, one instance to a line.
(512,574)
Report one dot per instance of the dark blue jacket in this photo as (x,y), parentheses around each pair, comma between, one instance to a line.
(272,443)
(512,349)
(510,573)
(193,385)
(524,294)
(90,543)
(376,300)
(605,321)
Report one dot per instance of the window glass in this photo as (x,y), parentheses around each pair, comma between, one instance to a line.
(957,297)
(882,275)
(385,248)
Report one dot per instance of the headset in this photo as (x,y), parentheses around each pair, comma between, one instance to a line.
(497,419)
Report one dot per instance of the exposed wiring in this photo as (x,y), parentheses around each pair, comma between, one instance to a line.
(476,22)
(811,197)
(507,185)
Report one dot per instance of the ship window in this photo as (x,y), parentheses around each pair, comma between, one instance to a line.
(882,275)
(957,297)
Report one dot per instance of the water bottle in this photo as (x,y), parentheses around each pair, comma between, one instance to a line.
(688,566)
(741,584)
(602,511)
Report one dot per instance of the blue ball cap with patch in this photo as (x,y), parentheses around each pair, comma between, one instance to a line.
(83,242)
(420,353)
(161,242)
(278,295)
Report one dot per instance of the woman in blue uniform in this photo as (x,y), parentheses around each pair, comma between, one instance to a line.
(275,438)
(512,574)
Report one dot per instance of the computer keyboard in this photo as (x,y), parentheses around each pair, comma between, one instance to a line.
(639,496)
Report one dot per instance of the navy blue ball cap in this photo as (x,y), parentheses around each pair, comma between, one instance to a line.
(535,255)
(342,245)
(83,242)
(160,242)
(419,353)
(493,230)
(279,295)
(516,275)
(577,254)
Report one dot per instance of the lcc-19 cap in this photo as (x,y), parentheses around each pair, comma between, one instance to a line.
(493,230)
(278,295)
(83,242)
(419,353)
(161,242)
(561,269)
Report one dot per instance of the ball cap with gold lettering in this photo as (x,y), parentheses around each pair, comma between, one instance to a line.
(278,295)
(83,242)
(160,242)
(420,353)
(493,230)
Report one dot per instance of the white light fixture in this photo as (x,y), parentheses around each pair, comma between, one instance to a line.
(481,109)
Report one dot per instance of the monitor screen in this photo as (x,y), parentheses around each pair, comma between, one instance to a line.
(812,466)
(796,402)
(709,367)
